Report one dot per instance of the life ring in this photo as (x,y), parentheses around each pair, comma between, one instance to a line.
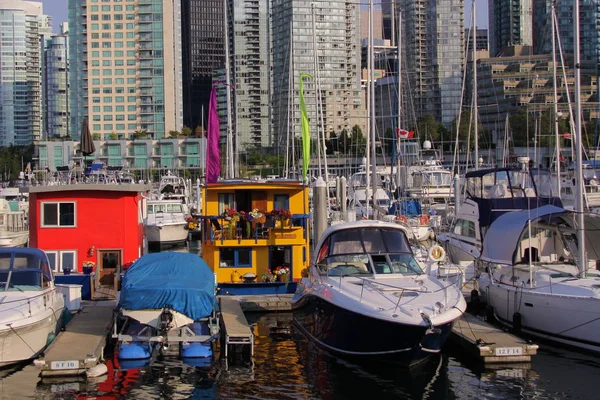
(424,220)
(436,253)
(402,218)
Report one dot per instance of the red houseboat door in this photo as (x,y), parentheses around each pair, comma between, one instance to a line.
(109,261)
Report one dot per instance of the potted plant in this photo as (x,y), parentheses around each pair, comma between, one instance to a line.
(87,267)
(282,273)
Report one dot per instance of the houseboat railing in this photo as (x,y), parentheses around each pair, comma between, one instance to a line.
(218,228)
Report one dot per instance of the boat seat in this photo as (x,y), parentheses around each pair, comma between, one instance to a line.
(382,268)
(362,267)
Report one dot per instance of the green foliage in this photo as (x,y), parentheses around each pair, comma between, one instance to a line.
(186,131)
(13,159)
(139,134)
(173,134)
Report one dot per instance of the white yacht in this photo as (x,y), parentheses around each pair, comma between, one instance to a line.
(366,296)
(166,222)
(14,226)
(489,194)
(531,277)
(30,306)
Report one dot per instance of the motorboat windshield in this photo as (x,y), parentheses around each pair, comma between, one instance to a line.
(26,270)
(372,250)
(501,183)
(435,178)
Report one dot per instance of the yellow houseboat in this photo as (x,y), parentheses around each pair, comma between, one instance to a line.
(255,234)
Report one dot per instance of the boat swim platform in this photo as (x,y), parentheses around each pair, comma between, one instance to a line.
(237,335)
(489,344)
(81,345)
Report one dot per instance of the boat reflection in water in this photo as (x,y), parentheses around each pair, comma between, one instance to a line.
(335,378)
(366,296)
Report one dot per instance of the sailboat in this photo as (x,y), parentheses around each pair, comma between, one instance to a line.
(541,265)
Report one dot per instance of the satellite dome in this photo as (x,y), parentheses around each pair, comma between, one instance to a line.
(427,145)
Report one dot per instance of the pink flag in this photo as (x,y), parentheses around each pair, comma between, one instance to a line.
(213,155)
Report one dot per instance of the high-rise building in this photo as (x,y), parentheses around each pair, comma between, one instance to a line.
(481,40)
(510,24)
(250,55)
(589,27)
(22,28)
(433,47)
(125,61)
(320,39)
(56,86)
(203,45)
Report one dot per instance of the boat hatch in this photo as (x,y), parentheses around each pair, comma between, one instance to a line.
(404,293)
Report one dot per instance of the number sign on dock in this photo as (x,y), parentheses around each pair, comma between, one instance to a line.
(490,344)
(81,345)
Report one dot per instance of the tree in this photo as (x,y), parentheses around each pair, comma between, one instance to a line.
(186,131)
(428,128)
(358,140)
(199,131)
(343,141)
(173,133)
(139,134)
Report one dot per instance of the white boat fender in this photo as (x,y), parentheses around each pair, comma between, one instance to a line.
(96,370)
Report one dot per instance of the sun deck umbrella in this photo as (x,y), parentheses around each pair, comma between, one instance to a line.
(86,146)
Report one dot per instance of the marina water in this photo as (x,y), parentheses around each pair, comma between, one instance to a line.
(288,366)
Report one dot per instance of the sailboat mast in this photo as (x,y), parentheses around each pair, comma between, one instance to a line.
(578,145)
(475,111)
(555,80)
(399,69)
(230,164)
(372,111)
(315,80)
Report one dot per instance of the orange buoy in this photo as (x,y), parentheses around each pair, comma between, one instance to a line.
(401,218)
(424,220)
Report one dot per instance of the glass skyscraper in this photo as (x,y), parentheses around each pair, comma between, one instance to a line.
(22,26)
(56,87)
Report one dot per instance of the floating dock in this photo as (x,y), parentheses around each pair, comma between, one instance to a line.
(81,345)
(237,335)
(264,303)
(490,344)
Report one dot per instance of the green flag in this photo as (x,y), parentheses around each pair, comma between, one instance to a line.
(305,128)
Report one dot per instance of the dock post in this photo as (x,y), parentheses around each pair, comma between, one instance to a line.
(320,208)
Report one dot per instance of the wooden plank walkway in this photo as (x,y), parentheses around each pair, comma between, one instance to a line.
(81,345)
(264,303)
(490,344)
(237,332)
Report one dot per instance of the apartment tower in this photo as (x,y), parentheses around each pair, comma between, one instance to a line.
(126,75)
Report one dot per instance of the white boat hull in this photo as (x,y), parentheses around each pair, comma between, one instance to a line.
(570,320)
(14,239)
(171,234)
(24,334)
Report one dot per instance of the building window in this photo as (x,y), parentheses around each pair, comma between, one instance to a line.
(58,214)
(63,259)
(235,257)
(226,200)
(281,201)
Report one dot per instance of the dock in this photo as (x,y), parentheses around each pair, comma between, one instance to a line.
(264,303)
(237,335)
(490,344)
(81,345)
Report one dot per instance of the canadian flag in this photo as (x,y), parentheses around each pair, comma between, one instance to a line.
(567,135)
(402,134)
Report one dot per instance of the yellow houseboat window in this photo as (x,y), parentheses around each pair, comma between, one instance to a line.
(226,200)
(235,257)
(281,201)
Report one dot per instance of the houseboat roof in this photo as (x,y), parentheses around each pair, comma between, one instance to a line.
(133,187)
(254,183)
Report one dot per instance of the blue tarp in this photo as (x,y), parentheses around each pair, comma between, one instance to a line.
(180,281)
(411,208)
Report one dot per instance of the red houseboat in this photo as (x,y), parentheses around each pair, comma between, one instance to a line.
(88,231)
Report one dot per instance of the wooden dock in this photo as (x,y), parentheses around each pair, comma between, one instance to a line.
(237,335)
(81,345)
(264,303)
(490,344)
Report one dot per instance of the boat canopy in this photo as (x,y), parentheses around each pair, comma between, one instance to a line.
(180,281)
(24,269)
(504,236)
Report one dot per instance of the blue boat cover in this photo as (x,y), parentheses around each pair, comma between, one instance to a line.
(182,282)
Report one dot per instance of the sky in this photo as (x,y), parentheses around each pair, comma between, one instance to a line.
(58,10)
